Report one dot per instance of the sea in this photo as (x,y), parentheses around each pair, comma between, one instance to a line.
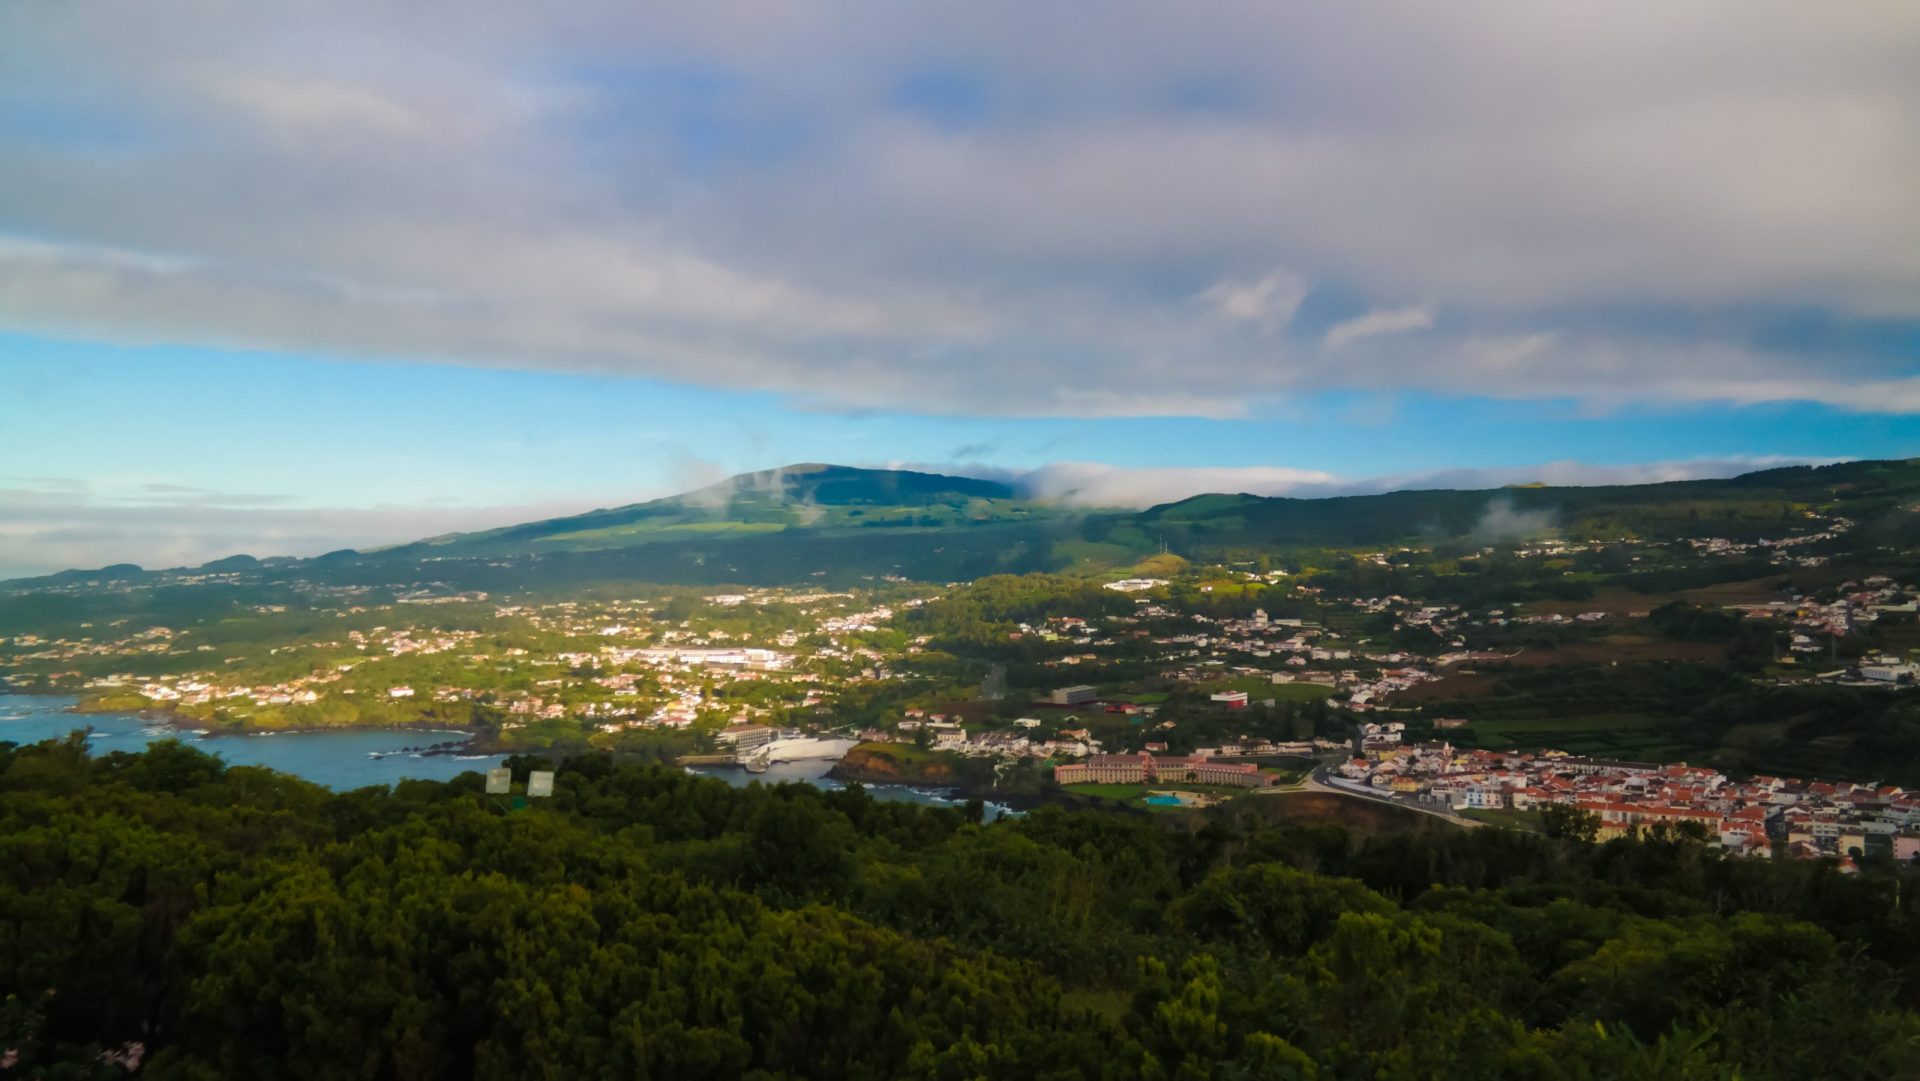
(356,758)
(339,760)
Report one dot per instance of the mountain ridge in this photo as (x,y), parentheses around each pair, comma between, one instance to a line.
(826,515)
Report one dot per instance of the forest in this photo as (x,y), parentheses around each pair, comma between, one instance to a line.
(164,913)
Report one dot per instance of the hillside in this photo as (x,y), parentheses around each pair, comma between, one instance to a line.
(808,496)
(1750,505)
(833,523)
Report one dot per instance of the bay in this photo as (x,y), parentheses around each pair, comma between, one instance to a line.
(339,760)
(343,760)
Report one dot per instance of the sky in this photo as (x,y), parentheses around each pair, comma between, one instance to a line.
(285,278)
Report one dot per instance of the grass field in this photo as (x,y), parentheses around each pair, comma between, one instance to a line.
(1519,820)
(650,531)
(1119,793)
(903,753)
(1297,692)
(1282,775)
(1086,554)
(1637,711)
(1456,685)
(1622,602)
(1621,648)
(1135,795)
(1597,733)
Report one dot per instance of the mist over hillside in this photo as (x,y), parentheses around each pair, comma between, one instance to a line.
(816,522)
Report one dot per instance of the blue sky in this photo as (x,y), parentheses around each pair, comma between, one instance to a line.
(349,273)
(276,429)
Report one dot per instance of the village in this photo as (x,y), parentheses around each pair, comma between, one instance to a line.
(1170,678)
(1758,816)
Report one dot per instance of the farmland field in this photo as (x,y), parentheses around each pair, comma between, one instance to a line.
(1609,735)
(1520,820)
(1135,795)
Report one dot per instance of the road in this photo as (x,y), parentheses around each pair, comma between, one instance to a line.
(1314,782)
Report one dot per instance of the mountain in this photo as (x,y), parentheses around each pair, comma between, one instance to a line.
(830,523)
(808,496)
(1880,493)
(801,523)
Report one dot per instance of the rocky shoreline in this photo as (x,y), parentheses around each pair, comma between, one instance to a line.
(471,744)
(867,766)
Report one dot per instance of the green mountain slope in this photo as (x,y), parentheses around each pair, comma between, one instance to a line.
(836,523)
(809,496)
(1751,505)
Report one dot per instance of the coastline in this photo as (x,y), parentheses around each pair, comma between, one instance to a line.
(467,743)
(953,789)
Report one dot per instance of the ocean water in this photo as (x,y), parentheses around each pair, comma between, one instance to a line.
(344,760)
(339,760)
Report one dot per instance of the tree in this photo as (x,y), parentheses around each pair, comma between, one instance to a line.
(1569,822)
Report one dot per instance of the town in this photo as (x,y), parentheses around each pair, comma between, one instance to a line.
(1178,684)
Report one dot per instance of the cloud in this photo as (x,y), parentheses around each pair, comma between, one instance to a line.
(1377,322)
(1567,472)
(1501,521)
(716,494)
(192,495)
(40,536)
(1096,484)
(742,196)
(1092,484)
(1268,302)
(1505,352)
(56,524)
(701,482)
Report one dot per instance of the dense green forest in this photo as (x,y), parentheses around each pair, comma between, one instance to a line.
(233,922)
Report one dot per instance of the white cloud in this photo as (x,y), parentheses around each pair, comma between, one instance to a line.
(1377,322)
(1568,472)
(1268,302)
(1506,351)
(49,524)
(1096,484)
(41,536)
(1092,484)
(735,195)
